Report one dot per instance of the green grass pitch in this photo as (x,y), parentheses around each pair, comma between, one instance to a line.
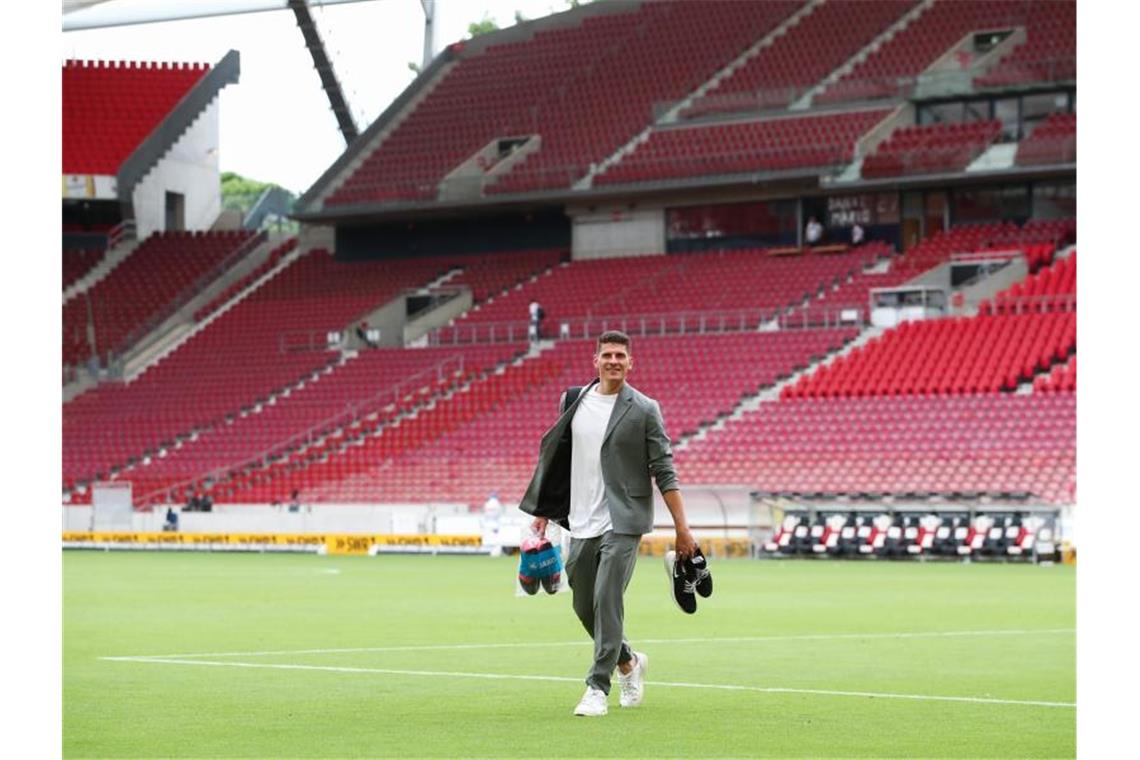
(989,672)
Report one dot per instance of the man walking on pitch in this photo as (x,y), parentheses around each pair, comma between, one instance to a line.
(593,476)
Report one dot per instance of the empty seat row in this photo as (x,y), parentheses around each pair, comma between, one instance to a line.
(946,356)
(931,148)
(1053,141)
(585,90)
(1050,289)
(890,70)
(767,145)
(138,287)
(976,443)
(797,60)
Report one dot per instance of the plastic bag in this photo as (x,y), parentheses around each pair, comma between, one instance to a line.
(540,563)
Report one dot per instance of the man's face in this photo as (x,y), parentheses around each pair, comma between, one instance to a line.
(613,362)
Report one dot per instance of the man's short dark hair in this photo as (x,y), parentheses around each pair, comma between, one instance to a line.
(614,336)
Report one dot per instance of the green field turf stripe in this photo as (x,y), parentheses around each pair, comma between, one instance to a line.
(565,679)
(585,642)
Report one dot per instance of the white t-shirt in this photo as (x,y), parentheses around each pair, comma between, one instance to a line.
(589,512)
(814,232)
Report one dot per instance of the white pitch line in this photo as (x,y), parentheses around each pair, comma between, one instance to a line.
(586,642)
(566,679)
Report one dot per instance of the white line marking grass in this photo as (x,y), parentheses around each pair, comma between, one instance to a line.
(586,642)
(567,679)
(188,659)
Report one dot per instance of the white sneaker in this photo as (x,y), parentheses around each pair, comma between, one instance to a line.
(593,703)
(633,685)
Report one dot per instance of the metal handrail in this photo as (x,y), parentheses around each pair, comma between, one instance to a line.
(746,161)
(353,412)
(186,295)
(125,228)
(1059,302)
(1050,69)
(697,322)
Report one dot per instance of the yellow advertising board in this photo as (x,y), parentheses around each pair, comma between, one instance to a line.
(349,543)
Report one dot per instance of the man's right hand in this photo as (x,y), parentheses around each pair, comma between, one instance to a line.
(539,525)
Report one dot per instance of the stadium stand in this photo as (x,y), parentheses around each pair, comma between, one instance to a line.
(890,70)
(796,142)
(500,419)
(1049,53)
(954,444)
(1051,289)
(374,462)
(143,284)
(109,107)
(991,236)
(564,84)
(275,256)
(728,290)
(267,342)
(1062,379)
(931,149)
(620,120)
(1053,141)
(829,35)
(855,291)
(492,274)
(947,356)
(378,384)
(79,261)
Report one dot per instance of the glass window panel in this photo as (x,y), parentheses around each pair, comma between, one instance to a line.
(1039,106)
(990,204)
(1005,111)
(978,110)
(945,113)
(1055,200)
(758,220)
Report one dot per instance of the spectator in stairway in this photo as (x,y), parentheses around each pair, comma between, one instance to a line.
(813,232)
(536,315)
(857,234)
(362,332)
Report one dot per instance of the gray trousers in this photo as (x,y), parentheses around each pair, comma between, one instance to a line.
(599,570)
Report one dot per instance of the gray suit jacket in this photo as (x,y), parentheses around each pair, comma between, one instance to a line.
(635,447)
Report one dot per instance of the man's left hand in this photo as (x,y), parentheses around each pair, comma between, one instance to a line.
(686,545)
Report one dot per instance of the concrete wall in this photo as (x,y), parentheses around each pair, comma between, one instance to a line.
(619,231)
(713,512)
(190,168)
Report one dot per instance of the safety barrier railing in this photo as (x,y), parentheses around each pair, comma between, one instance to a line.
(184,297)
(653,324)
(388,399)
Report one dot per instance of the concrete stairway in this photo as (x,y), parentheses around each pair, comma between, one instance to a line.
(112,259)
(772,393)
(849,65)
(671,115)
(181,327)
(994,158)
